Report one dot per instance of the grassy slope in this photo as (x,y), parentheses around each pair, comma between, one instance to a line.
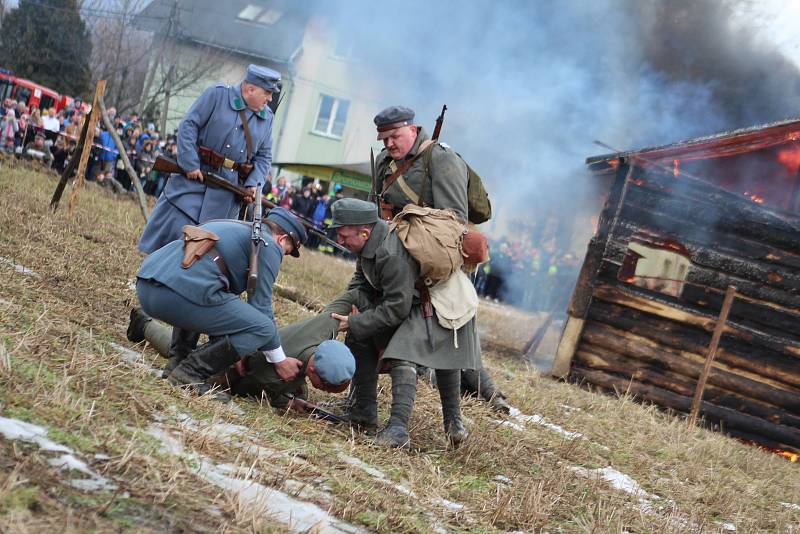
(58,370)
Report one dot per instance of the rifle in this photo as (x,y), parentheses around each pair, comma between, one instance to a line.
(169,165)
(255,245)
(438,128)
(315,411)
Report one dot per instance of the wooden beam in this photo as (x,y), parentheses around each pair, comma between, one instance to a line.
(716,414)
(70,169)
(93,117)
(730,294)
(124,156)
(566,346)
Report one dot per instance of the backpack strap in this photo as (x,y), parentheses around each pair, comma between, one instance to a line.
(397,172)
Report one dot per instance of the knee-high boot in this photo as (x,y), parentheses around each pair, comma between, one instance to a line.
(203,363)
(480,383)
(449,381)
(183,342)
(404,393)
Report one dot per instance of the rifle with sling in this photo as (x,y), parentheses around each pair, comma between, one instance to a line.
(255,245)
(168,165)
(314,410)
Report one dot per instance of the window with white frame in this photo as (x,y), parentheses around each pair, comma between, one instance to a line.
(260,15)
(332,116)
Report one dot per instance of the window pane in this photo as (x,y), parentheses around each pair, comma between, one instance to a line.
(250,12)
(270,16)
(341,118)
(324,116)
(23,94)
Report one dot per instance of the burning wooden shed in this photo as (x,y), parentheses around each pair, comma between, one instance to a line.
(683,223)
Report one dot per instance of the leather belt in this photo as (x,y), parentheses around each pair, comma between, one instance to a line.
(219,261)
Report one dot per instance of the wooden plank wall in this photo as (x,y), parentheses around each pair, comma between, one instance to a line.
(629,338)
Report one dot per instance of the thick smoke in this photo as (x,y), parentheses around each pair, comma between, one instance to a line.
(530,85)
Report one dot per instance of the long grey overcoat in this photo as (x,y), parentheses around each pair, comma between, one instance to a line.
(385,276)
(212,121)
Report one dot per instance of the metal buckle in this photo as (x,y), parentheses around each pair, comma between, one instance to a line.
(228,163)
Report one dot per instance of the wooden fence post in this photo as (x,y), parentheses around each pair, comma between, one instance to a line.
(100,88)
(124,157)
(730,293)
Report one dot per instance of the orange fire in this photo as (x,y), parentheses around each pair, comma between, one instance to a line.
(791,456)
(755,198)
(790,158)
(675,168)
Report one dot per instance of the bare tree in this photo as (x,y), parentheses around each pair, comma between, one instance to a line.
(144,69)
(120,51)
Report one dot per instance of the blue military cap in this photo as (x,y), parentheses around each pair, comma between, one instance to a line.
(392,118)
(353,212)
(291,225)
(334,362)
(263,77)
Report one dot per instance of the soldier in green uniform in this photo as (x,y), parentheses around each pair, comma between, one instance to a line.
(391,332)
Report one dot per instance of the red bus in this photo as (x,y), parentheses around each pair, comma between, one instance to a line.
(30,93)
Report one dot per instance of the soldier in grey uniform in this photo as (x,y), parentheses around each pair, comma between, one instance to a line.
(437,178)
(204,297)
(390,331)
(213,136)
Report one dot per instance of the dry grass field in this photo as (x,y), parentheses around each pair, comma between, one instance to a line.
(91,440)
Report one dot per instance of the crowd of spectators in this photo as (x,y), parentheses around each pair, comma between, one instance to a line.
(52,137)
(533,276)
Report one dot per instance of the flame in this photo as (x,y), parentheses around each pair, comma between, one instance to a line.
(791,456)
(675,168)
(755,198)
(790,158)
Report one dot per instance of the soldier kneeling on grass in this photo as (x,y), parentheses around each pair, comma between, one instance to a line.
(194,284)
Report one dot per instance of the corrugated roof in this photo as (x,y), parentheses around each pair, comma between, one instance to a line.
(234,25)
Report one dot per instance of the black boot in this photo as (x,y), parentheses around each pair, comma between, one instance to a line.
(404,392)
(480,383)
(136,325)
(449,381)
(183,342)
(363,411)
(203,363)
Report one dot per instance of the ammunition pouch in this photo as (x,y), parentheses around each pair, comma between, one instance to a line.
(217,161)
(196,244)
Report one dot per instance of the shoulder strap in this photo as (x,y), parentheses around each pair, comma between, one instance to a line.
(247,138)
(423,147)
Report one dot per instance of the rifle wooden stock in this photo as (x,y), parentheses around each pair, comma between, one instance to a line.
(165,164)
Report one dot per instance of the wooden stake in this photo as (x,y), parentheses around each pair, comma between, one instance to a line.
(730,293)
(124,157)
(100,88)
(67,174)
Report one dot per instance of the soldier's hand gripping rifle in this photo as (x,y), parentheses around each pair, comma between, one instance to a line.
(255,244)
(169,165)
(314,410)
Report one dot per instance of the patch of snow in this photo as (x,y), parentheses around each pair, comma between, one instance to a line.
(503,479)
(298,515)
(790,505)
(510,424)
(541,421)
(16,430)
(729,527)
(131,284)
(380,476)
(622,482)
(19,268)
(134,358)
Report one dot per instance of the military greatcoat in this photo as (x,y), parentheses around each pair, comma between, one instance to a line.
(213,121)
(203,299)
(385,277)
(440,180)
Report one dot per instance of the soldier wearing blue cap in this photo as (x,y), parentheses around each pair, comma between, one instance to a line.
(228,131)
(391,329)
(194,284)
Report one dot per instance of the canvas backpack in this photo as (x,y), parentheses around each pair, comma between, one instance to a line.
(479,207)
